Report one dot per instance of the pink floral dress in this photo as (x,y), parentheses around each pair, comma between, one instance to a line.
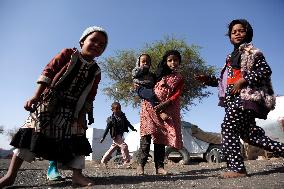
(164,132)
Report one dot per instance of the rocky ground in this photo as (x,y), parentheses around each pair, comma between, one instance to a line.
(262,174)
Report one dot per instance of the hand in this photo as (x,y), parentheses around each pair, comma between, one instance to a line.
(82,119)
(238,86)
(135,86)
(202,78)
(163,105)
(145,67)
(101,141)
(135,130)
(31,104)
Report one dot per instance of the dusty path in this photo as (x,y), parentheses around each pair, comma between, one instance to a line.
(262,174)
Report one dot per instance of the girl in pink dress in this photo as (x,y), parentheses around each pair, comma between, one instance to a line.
(162,132)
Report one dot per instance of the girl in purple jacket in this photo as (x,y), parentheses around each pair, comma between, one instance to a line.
(246,93)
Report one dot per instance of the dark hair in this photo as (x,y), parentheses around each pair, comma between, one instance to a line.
(163,69)
(246,25)
(145,55)
(115,104)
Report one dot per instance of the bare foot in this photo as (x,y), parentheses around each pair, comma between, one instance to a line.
(164,116)
(232,174)
(81,180)
(105,165)
(140,170)
(161,171)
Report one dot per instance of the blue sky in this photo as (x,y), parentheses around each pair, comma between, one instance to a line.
(33,31)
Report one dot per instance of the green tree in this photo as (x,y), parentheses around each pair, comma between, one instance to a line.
(118,69)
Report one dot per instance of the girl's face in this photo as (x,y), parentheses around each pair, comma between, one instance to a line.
(93,46)
(238,34)
(144,61)
(173,62)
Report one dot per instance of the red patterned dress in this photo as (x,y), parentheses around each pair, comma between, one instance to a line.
(166,132)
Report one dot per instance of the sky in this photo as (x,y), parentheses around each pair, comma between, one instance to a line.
(33,32)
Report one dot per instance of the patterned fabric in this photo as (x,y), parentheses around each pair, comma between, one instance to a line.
(56,133)
(55,116)
(257,72)
(163,132)
(238,124)
(240,113)
(258,95)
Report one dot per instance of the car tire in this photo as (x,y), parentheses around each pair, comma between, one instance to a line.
(213,154)
(183,152)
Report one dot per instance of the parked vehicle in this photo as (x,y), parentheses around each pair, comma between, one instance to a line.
(197,144)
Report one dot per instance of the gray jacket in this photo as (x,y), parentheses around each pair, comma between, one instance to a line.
(142,76)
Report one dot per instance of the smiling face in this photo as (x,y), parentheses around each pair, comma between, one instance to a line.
(93,46)
(238,34)
(173,62)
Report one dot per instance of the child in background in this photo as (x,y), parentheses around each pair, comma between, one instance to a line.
(56,128)
(163,132)
(246,93)
(117,124)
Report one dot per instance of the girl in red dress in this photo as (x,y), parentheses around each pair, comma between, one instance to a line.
(162,132)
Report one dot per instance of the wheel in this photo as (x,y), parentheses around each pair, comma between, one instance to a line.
(213,154)
(178,156)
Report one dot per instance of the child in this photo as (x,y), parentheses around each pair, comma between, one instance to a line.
(246,92)
(144,82)
(162,132)
(117,124)
(56,129)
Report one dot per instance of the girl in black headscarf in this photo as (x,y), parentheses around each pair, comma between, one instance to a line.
(163,132)
(246,93)
(163,69)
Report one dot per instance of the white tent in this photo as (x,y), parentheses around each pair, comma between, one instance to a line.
(94,136)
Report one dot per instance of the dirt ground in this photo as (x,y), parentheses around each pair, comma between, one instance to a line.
(262,174)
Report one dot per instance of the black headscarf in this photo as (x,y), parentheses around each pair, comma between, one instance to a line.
(246,25)
(236,55)
(163,69)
